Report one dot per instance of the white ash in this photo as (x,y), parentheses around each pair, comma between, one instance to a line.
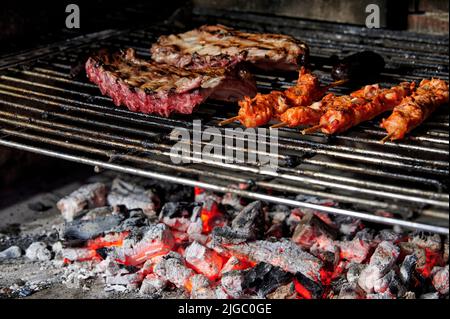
(12,252)
(78,275)
(441,279)
(172,268)
(232,283)
(152,284)
(87,196)
(38,251)
(130,280)
(424,240)
(356,250)
(350,291)
(132,196)
(354,271)
(387,235)
(231,263)
(380,263)
(204,259)
(407,268)
(383,295)
(77,254)
(201,288)
(284,254)
(57,248)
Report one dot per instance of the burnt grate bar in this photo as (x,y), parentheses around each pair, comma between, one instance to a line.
(44,110)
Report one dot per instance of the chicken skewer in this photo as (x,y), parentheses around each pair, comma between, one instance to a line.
(414,109)
(346,111)
(262,108)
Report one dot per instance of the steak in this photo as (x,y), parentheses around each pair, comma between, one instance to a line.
(219,46)
(151,87)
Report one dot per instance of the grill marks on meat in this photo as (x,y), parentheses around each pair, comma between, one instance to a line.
(219,46)
(150,87)
(346,111)
(414,109)
(262,108)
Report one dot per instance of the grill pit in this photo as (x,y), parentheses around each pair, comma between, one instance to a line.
(362,220)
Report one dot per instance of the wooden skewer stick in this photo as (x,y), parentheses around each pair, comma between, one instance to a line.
(282,124)
(337,83)
(230,120)
(384,139)
(311,129)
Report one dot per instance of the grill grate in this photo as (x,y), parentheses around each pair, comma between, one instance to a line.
(44,110)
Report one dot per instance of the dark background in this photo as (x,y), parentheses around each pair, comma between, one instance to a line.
(25,24)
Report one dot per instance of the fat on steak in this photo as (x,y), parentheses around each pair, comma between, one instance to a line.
(218,46)
(151,87)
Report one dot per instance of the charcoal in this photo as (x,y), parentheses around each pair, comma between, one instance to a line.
(283,292)
(201,288)
(247,225)
(78,254)
(94,213)
(233,283)
(79,231)
(407,269)
(284,254)
(425,240)
(232,200)
(233,263)
(367,235)
(250,221)
(204,260)
(389,283)
(347,225)
(179,209)
(132,196)
(355,250)
(337,283)
(130,281)
(39,206)
(310,289)
(440,279)
(11,253)
(380,263)
(199,281)
(351,291)
(87,196)
(446,250)
(309,228)
(180,224)
(38,251)
(226,235)
(157,239)
(387,235)
(325,249)
(383,295)
(195,227)
(265,278)
(354,271)
(135,219)
(172,268)
(152,284)
(221,293)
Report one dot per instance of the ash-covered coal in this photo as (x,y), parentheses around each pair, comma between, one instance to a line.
(133,237)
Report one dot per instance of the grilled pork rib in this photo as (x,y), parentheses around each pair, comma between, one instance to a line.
(219,46)
(150,87)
